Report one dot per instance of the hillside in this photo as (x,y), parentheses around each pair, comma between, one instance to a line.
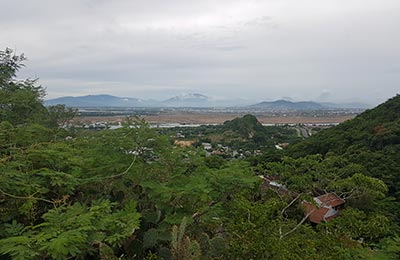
(247,132)
(372,139)
(247,126)
(288,105)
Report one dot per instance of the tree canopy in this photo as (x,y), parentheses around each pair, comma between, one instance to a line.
(131,193)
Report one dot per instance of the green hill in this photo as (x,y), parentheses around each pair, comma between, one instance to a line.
(247,126)
(249,129)
(372,139)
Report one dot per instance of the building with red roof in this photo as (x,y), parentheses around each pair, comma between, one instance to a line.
(326,207)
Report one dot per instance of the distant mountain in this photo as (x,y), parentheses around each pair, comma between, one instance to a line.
(307,105)
(288,105)
(194,97)
(346,105)
(96,101)
(192,100)
(187,100)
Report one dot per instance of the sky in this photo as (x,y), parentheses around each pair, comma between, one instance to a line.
(321,50)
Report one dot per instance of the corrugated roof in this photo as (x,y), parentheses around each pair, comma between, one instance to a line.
(325,210)
(329,199)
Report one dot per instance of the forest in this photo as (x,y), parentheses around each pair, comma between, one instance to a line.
(132,193)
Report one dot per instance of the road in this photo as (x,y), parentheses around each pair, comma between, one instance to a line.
(303,132)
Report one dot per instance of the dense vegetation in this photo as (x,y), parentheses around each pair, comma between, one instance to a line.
(131,194)
(371,140)
(245,133)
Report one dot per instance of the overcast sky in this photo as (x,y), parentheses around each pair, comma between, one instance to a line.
(324,50)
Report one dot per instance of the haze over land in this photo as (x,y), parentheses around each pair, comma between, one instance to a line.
(326,51)
(194,100)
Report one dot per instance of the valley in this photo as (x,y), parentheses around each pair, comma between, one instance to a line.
(180,183)
(218,117)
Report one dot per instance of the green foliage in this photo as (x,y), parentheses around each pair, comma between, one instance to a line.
(81,197)
(150,238)
(389,249)
(59,115)
(215,162)
(182,247)
(372,140)
(240,134)
(18,247)
(20,101)
(106,252)
(255,234)
(356,224)
(70,231)
(359,185)
(247,126)
(152,256)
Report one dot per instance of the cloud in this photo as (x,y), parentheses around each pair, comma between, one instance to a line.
(325,95)
(238,48)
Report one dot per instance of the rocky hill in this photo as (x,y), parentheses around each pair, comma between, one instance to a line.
(247,126)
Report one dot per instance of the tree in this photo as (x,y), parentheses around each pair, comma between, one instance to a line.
(20,100)
(61,116)
(71,231)
(182,247)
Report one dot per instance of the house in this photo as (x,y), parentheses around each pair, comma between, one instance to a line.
(218,152)
(270,182)
(280,146)
(180,135)
(206,146)
(326,207)
(284,145)
(257,152)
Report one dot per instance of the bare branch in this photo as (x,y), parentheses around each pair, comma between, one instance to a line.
(31,197)
(298,225)
(124,172)
(290,204)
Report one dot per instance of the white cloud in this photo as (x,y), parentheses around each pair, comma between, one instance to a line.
(242,48)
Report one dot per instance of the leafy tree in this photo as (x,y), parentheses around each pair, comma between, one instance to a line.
(71,231)
(182,247)
(20,100)
(61,116)
(356,224)
(254,233)
(372,139)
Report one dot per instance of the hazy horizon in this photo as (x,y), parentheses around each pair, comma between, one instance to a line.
(300,50)
(240,101)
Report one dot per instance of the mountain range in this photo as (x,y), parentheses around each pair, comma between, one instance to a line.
(194,100)
(289,105)
(183,100)
(103,100)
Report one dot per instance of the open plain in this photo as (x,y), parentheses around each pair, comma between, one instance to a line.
(181,117)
